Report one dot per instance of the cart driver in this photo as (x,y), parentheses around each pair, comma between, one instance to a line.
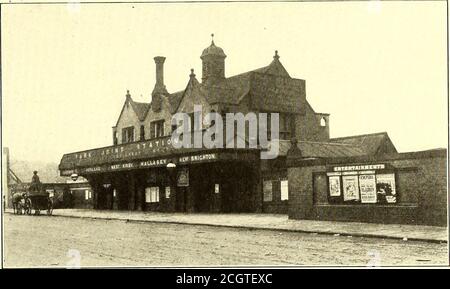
(35,182)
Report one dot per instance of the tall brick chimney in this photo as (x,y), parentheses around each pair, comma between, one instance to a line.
(160,88)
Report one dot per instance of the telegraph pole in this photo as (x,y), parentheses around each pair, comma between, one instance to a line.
(5,178)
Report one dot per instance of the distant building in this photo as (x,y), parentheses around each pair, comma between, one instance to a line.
(133,173)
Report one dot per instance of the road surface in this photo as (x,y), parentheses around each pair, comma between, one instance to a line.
(41,241)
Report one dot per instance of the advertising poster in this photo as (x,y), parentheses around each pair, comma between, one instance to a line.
(183,178)
(386,188)
(367,189)
(335,186)
(350,185)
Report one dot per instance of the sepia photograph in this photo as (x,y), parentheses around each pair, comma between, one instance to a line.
(206,134)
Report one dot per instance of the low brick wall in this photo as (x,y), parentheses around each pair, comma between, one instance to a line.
(421,185)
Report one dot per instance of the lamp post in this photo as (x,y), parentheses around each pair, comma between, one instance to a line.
(171,169)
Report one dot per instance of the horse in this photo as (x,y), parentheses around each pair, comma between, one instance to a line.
(18,202)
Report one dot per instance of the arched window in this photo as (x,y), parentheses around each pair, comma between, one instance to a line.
(323,122)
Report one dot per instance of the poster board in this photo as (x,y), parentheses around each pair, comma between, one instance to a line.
(284,190)
(385,184)
(334,185)
(267,191)
(350,188)
(167,191)
(367,189)
(183,178)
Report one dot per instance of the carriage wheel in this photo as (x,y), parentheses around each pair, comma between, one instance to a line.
(49,207)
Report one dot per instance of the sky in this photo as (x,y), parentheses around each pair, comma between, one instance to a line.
(374,66)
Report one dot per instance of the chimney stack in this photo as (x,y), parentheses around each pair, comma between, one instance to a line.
(160,89)
(159,85)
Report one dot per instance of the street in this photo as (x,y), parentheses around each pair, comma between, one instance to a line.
(38,241)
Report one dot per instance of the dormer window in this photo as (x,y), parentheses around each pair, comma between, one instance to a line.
(128,134)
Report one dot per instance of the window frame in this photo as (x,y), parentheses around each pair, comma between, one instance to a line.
(157,128)
(153,195)
(126,138)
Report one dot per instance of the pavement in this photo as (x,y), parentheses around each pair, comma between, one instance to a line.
(275,222)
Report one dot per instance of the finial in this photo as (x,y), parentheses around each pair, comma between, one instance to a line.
(192,75)
(212,38)
(276,56)
(128,93)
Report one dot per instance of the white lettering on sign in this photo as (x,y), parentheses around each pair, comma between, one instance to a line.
(359,168)
(334,174)
(153,163)
(197,158)
(127,150)
(122,166)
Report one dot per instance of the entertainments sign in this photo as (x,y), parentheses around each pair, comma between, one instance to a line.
(359,168)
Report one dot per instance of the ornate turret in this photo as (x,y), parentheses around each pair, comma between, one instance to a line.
(213,59)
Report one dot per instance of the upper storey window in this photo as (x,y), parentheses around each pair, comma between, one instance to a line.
(157,129)
(115,139)
(285,125)
(128,134)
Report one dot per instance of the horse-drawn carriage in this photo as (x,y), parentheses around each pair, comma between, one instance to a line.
(33,200)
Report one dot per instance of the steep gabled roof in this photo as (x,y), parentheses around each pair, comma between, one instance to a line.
(140,108)
(175,99)
(233,89)
(229,91)
(371,143)
(274,68)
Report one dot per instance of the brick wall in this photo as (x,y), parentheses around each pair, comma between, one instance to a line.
(308,126)
(421,183)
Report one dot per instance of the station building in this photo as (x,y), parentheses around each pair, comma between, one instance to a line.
(141,170)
